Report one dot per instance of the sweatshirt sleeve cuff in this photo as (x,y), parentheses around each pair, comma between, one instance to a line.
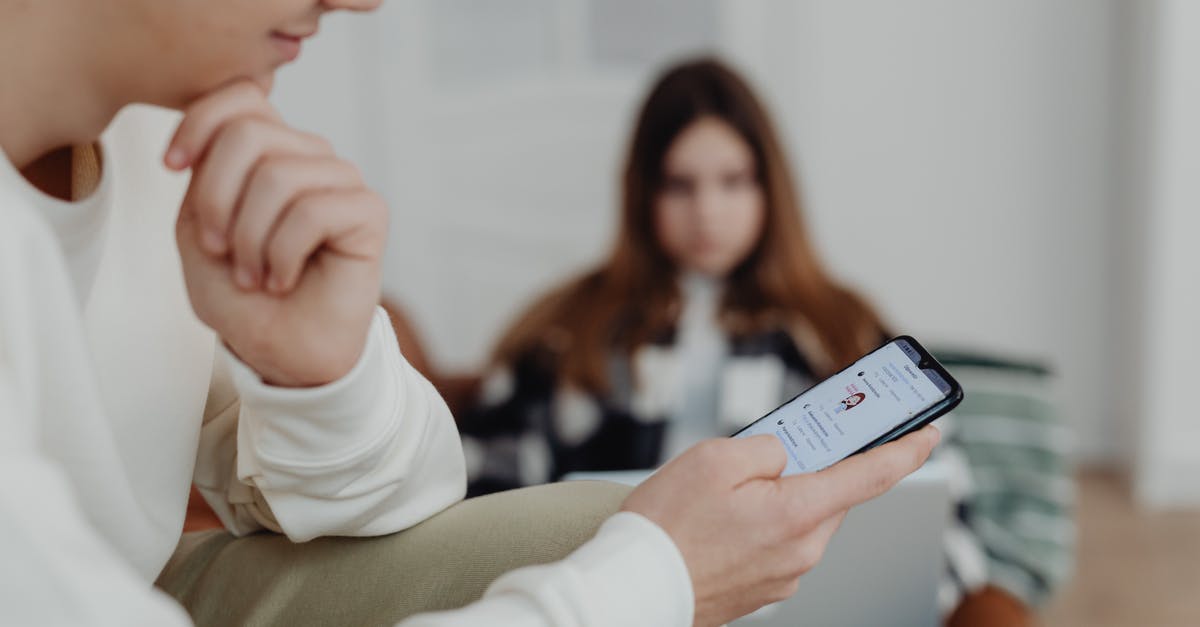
(637,572)
(324,424)
(629,574)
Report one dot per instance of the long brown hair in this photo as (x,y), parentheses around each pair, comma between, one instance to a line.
(633,298)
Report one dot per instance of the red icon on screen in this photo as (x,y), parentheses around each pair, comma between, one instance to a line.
(850,402)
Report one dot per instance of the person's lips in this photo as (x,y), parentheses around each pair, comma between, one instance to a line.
(705,246)
(289,44)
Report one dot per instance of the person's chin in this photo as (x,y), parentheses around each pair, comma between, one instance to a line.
(717,261)
(714,268)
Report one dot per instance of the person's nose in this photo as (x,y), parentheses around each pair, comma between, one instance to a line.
(708,203)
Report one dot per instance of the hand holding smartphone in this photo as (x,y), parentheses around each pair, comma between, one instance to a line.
(893,390)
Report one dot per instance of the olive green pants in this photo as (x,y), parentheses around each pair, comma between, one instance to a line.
(445,562)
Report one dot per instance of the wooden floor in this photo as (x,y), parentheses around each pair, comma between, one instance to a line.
(1135,568)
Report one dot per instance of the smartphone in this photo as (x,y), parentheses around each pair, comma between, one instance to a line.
(896,388)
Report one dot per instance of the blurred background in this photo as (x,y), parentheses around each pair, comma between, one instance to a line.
(1013,176)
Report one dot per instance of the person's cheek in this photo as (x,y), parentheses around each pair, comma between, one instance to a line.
(738,219)
(751,226)
(664,227)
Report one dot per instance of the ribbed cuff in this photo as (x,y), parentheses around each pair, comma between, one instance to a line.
(635,575)
(327,424)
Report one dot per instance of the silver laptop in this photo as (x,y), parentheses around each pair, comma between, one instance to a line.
(881,568)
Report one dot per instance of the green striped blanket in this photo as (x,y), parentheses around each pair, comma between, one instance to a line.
(1016,504)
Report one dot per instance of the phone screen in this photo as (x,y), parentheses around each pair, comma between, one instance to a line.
(853,408)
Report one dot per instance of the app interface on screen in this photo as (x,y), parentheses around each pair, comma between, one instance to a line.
(849,410)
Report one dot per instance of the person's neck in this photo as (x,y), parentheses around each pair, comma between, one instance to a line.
(52,95)
(52,174)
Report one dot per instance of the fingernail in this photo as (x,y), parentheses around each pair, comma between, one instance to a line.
(214,242)
(176,159)
(244,278)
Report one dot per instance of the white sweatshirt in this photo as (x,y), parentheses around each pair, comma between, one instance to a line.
(114,398)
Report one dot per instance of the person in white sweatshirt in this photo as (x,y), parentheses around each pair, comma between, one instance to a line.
(220,326)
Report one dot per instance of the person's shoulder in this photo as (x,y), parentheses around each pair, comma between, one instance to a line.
(141,122)
(137,138)
(134,145)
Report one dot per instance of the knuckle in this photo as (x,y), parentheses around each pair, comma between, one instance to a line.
(351,172)
(319,143)
(306,213)
(779,589)
(708,452)
(810,556)
(251,98)
(377,207)
(786,590)
(299,221)
(209,110)
(245,242)
(248,90)
(799,560)
(278,254)
(199,116)
(275,173)
(243,131)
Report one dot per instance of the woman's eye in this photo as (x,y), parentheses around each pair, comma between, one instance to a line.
(677,186)
(737,179)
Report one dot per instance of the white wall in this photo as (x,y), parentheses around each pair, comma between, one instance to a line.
(1163,195)
(955,158)
(954,154)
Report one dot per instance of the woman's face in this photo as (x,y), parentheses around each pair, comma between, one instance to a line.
(709,214)
(185,48)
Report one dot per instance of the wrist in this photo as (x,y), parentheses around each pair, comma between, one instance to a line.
(313,373)
(322,426)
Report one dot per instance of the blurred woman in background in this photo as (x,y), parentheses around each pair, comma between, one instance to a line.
(712,309)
